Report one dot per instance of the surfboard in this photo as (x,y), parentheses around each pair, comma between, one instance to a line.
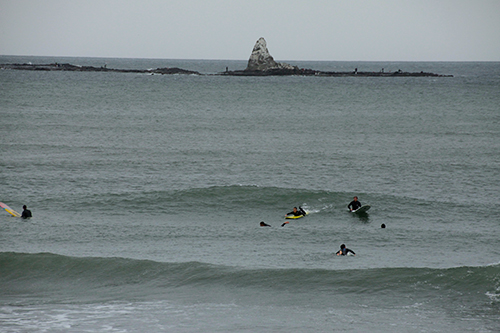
(9,210)
(361,209)
(293,217)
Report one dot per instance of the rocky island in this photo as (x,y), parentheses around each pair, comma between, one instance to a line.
(260,63)
(75,68)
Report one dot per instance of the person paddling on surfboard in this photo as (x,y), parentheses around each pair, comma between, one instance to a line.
(296,212)
(344,251)
(354,204)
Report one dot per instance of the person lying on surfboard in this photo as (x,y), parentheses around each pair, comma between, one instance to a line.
(344,251)
(354,204)
(297,212)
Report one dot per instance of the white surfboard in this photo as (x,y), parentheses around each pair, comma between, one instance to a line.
(361,209)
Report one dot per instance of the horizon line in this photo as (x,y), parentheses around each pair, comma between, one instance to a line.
(244,60)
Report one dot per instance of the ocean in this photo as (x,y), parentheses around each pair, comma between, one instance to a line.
(147,192)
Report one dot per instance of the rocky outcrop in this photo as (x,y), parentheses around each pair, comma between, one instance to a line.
(279,70)
(260,63)
(261,59)
(173,70)
(75,68)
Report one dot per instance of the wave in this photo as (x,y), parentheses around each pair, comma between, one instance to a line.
(26,274)
(231,199)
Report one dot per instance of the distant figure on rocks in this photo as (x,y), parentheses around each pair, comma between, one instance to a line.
(264,224)
(26,213)
(344,251)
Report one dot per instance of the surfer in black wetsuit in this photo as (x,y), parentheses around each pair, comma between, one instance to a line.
(297,212)
(264,224)
(344,251)
(354,204)
(26,213)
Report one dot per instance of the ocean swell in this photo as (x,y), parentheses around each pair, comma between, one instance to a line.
(229,199)
(31,274)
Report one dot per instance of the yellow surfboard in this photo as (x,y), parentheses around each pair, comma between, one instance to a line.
(296,217)
(9,210)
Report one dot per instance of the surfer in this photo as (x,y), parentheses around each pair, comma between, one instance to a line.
(297,212)
(344,251)
(26,213)
(354,204)
(264,224)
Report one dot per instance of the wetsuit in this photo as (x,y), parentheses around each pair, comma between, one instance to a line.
(344,251)
(26,213)
(354,205)
(299,212)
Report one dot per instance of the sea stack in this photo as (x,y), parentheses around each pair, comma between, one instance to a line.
(261,59)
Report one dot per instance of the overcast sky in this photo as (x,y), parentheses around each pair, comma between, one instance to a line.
(345,30)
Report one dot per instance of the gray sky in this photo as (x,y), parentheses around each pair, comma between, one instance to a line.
(357,30)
